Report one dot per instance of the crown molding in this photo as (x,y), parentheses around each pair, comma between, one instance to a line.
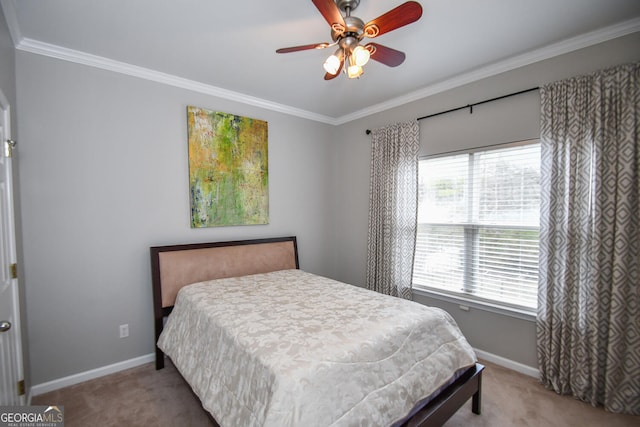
(83,58)
(547,52)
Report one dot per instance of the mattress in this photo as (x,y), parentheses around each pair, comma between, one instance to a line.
(290,348)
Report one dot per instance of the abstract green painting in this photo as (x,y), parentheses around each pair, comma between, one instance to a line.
(228,169)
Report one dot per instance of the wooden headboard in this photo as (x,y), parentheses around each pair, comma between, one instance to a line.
(175,266)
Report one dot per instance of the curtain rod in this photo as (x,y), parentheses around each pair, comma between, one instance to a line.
(470,106)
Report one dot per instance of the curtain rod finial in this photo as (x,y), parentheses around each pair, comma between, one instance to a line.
(368,131)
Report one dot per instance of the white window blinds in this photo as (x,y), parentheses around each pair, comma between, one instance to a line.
(478,223)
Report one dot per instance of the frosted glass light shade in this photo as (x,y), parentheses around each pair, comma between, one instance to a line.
(332,65)
(354,71)
(361,56)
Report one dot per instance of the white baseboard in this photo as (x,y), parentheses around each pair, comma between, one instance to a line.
(508,363)
(89,375)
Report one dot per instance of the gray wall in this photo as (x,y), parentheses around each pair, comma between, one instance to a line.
(7,61)
(104,173)
(507,120)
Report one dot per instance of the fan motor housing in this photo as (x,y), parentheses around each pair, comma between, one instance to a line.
(354,27)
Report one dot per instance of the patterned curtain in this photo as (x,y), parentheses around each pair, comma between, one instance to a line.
(588,326)
(393,206)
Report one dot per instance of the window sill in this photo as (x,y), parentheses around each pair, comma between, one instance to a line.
(472,303)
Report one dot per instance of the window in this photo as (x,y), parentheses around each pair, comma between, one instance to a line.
(478,225)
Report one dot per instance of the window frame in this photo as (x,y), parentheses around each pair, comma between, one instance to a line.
(465,301)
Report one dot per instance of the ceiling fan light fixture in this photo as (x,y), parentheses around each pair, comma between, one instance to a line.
(347,32)
(361,56)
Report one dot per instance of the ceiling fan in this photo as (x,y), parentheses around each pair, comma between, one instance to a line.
(348,31)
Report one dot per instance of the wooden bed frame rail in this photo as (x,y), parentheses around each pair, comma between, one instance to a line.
(451,399)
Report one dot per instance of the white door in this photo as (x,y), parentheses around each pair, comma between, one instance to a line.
(10,340)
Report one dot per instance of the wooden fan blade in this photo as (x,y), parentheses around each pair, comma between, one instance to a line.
(304,47)
(386,55)
(329,76)
(402,15)
(331,13)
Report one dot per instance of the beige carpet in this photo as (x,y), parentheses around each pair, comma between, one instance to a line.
(143,396)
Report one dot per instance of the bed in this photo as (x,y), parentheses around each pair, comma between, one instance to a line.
(264,343)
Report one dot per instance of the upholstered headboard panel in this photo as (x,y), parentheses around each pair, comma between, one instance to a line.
(175,266)
(184,267)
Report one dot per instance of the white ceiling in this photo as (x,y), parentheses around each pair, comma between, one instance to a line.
(228,48)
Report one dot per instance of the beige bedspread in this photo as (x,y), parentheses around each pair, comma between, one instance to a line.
(290,348)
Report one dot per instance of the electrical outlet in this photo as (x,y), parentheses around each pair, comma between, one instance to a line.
(124,330)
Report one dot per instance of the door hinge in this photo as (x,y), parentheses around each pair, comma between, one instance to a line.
(21,388)
(13,271)
(9,144)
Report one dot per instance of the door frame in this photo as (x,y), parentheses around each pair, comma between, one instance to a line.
(5,110)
